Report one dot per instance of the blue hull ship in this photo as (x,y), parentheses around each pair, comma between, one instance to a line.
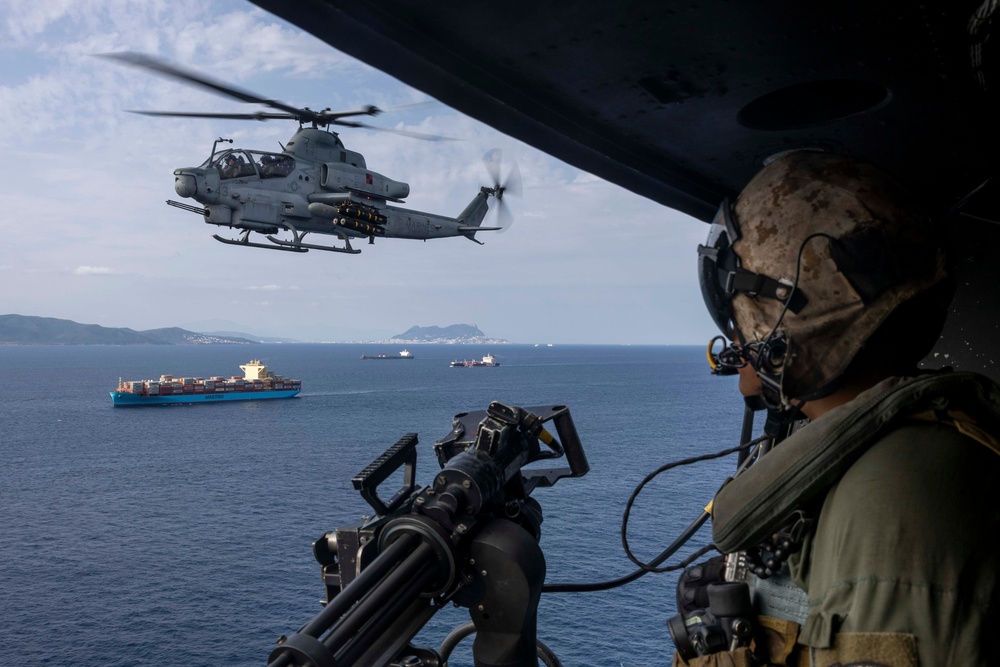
(125,398)
(257,384)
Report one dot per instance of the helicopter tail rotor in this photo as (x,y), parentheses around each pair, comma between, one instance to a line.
(500,188)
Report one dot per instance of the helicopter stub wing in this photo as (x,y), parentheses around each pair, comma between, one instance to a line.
(373,199)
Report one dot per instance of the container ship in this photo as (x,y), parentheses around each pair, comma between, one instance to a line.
(488,360)
(405,354)
(257,383)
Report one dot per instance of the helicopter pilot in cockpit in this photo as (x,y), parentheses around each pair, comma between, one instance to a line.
(231,167)
(275,165)
(234,166)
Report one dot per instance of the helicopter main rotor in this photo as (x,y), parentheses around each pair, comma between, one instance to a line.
(304,115)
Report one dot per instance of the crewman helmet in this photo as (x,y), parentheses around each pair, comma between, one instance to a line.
(811,259)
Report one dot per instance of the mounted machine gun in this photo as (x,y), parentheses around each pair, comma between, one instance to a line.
(470,538)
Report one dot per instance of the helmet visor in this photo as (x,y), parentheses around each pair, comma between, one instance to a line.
(716,263)
(721,275)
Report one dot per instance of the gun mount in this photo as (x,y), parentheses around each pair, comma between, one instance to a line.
(469,538)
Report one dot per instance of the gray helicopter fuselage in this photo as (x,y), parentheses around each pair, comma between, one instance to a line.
(307,186)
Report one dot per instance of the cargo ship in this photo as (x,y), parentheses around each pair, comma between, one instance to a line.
(405,354)
(488,360)
(257,383)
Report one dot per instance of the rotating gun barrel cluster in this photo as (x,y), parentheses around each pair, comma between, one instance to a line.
(469,538)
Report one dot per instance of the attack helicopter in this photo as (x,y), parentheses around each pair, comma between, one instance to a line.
(315,184)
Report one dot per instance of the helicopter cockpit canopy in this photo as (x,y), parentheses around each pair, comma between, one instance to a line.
(242,164)
(273,165)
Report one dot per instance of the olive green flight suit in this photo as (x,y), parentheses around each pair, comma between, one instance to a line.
(902,565)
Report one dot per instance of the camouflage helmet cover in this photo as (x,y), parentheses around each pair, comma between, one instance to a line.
(865,249)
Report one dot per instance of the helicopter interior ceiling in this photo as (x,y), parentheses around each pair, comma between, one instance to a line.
(682,102)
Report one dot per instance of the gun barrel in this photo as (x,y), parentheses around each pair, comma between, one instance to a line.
(382,611)
(390,557)
(391,582)
(401,586)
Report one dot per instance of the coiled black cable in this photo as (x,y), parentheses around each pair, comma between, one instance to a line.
(681,540)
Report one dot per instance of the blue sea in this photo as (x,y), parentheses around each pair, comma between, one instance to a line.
(181,535)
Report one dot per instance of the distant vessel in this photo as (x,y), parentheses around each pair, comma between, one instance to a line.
(405,354)
(488,360)
(257,383)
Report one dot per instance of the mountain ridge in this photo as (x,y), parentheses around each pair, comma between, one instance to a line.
(452,334)
(33,330)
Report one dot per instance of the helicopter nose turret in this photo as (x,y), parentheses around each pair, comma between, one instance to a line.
(186,185)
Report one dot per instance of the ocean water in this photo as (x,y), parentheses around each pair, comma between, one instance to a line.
(181,535)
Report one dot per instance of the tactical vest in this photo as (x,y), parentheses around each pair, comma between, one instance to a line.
(808,462)
(803,468)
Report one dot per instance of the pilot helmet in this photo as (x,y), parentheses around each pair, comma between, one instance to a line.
(811,259)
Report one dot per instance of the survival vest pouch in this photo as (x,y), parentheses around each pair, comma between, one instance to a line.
(809,461)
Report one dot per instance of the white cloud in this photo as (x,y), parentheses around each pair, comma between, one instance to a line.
(26,18)
(270,288)
(94,271)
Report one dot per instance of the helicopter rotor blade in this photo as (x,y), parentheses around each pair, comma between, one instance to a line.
(504,217)
(169,70)
(404,133)
(493,160)
(413,106)
(327,116)
(513,185)
(176,72)
(260,115)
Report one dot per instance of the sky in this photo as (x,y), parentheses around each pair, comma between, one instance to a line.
(87,235)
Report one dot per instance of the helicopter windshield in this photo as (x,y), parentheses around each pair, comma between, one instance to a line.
(234,164)
(273,165)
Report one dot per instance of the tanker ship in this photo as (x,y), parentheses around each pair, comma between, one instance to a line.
(487,360)
(257,383)
(405,354)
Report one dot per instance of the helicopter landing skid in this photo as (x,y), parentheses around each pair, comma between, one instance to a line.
(245,242)
(299,246)
(296,244)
